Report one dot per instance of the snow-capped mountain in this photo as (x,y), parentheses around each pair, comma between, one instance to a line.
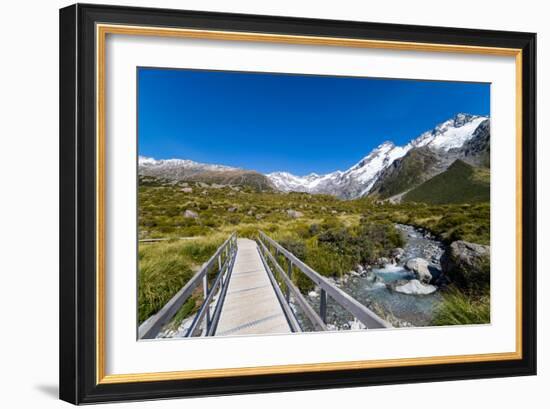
(450,134)
(146,162)
(354,182)
(291,183)
(191,171)
(358,180)
(176,168)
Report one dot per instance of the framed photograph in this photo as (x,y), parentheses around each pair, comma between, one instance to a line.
(257,203)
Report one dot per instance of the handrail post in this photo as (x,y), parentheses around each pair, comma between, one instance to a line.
(323,306)
(287,292)
(205,288)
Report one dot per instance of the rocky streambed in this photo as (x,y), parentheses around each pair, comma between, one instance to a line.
(404,289)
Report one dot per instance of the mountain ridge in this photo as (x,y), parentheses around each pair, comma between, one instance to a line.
(445,139)
(186,170)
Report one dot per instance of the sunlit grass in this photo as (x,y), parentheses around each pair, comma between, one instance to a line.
(165,267)
(459,308)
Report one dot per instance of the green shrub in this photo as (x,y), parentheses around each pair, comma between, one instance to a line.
(302,281)
(193,231)
(234,219)
(247,231)
(328,262)
(295,246)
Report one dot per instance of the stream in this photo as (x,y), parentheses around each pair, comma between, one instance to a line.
(370,288)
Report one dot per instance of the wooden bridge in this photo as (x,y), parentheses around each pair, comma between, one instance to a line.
(247,291)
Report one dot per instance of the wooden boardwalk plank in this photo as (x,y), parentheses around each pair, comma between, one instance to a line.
(250,306)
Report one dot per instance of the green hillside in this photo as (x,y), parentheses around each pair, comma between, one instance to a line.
(460,183)
(405,173)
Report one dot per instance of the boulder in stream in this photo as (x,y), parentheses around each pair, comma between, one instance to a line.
(415,287)
(382,261)
(420,268)
(398,253)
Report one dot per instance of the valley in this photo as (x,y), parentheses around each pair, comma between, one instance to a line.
(347,225)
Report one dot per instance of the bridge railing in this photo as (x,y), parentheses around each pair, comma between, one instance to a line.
(206,319)
(268,246)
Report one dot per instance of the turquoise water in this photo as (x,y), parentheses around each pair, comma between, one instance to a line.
(371,289)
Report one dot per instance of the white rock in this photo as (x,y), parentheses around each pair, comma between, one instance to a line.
(398,253)
(419,267)
(415,287)
(356,324)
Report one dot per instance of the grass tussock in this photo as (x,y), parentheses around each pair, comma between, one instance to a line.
(165,267)
(459,308)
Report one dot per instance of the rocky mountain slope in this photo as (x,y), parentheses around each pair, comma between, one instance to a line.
(191,171)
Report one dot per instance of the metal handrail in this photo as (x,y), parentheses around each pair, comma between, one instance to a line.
(152,326)
(211,329)
(358,310)
(300,299)
(222,281)
(289,314)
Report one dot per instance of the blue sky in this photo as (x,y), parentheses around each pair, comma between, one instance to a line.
(297,123)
